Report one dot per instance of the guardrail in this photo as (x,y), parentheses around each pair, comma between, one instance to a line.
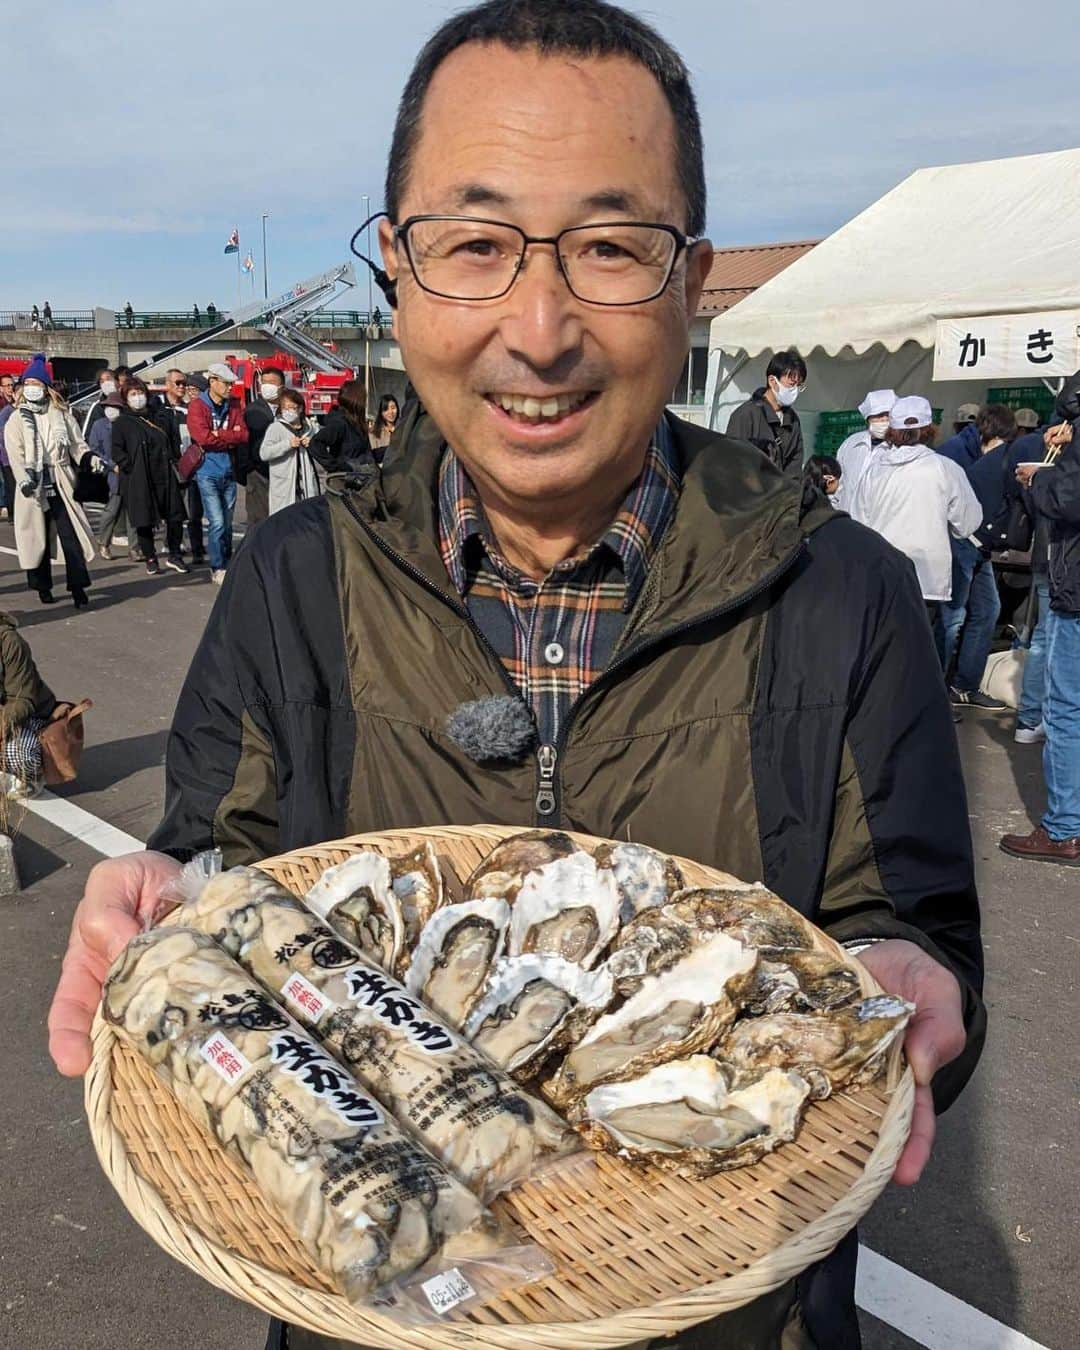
(24,320)
(188,319)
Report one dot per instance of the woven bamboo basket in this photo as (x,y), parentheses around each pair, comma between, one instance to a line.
(637,1253)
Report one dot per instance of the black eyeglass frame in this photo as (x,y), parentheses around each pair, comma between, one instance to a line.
(683,244)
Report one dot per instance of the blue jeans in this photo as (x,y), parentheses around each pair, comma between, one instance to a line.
(974,597)
(1030,712)
(217,487)
(1061,713)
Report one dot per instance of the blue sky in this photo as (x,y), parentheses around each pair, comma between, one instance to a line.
(138,137)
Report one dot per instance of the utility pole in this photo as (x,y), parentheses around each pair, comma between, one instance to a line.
(266,275)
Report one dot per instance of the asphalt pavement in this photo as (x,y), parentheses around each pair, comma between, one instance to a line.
(991,1223)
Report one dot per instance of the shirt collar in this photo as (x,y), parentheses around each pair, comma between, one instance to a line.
(633,536)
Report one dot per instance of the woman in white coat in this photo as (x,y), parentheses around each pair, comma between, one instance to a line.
(44,443)
(285,449)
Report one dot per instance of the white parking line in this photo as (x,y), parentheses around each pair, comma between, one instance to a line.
(920,1310)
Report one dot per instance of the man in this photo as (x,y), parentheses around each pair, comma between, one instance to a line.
(856,451)
(252,474)
(1055,494)
(963,431)
(7,388)
(215,423)
(965,622)
(175,401)
(769,420)
(1027,420)
(46,314)
(129,315)
(733,685)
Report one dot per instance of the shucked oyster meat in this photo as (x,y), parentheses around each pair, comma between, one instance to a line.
(357,900)
(674,1013)
(833,1050)
(502,872)
(685,1118)
(456,950)
(534,1006)
(417,882)
(645,877)
(568,908)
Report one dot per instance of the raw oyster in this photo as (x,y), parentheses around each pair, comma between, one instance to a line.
(456,950)
(567,908)
(501,873)
(753,915)
(646,878)
(832,1050)
(366,1200)
(532,1007)
(675,1013)
(357,900)
(808,981)
(417,882)
(685,1118)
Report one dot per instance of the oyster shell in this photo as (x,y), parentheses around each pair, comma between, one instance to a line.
(806,981)
(674,1013)
(357,900)
(533,1006)
(567,908)
(753,915)
(832,1050)
(501,873)
(646,878)
(685,1118)
(417,882)
(455,951)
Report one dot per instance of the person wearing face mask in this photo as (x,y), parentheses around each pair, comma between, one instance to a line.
(854,453)
(7,403)
(145,446)
(44,444)
(284,449)
(769,420)
(252,472)
(107,384)
(100,441)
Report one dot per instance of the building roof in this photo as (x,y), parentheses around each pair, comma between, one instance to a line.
(738,272)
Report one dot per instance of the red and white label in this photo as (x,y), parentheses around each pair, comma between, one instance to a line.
(305,1000)
(222,1056)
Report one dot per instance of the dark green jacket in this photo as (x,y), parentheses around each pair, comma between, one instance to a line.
(775,707)
(23,693)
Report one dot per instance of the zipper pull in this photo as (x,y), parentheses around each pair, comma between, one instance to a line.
(546,758)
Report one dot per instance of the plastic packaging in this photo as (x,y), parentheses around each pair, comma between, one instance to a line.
(379,1214)
(473,1116)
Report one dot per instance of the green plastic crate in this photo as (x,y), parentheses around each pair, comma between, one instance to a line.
(1035,396)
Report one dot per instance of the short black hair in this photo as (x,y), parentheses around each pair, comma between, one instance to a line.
(584,28)
(272,370)
(122,370)
(995,421)
(787,363)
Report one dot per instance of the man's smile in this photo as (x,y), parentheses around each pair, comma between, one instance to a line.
(539,409)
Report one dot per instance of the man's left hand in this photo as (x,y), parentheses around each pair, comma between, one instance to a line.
(935,1034)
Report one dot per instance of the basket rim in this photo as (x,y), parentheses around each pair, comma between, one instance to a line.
(331,1314)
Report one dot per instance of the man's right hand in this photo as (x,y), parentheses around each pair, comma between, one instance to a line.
(121,900)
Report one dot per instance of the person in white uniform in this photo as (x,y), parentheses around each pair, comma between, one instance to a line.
(854,454)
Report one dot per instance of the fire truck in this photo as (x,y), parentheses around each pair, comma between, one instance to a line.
(320,388)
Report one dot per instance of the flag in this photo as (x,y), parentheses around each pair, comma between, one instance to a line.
(248,265)
(233,246)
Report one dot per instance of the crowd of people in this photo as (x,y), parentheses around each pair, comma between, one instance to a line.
(1000,481)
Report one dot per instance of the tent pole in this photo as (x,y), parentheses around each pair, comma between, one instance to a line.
(720,384)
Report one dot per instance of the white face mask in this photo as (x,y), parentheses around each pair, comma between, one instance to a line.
(108,387)
(137,402)
(270,391)
(34,392)
(786,394)
(112,414)
(878,427)
(290,415)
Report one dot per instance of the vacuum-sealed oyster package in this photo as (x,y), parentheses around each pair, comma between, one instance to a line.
(489,1131)
(380,1216)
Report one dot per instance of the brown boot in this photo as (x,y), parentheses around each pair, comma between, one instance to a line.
(1039,846)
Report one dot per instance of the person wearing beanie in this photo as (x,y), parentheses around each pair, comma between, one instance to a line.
(44,444)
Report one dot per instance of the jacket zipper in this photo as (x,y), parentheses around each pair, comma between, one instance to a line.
(548,792)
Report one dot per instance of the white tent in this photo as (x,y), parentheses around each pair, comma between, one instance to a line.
(998,237)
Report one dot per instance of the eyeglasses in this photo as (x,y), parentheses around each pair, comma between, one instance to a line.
(609,263)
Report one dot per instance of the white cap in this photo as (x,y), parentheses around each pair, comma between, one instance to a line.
(910,412)
(877,403)
(967,412)
(1027,417)
(222,371)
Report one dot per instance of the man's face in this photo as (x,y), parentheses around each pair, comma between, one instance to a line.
(271,382)
(219,388)
(545,144)
(7,387)
(174,386)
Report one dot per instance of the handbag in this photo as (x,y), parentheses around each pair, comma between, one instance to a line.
(91,486)
(188,464)
(62,742)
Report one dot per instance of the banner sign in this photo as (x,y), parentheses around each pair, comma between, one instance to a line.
(1008,346)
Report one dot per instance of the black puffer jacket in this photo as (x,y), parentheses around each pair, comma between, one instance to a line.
(1055,494)
(776,434)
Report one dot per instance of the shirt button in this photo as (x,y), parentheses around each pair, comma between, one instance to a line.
(554,654)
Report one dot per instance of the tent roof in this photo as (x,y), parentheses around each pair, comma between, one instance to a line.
(997,237)
(738,271)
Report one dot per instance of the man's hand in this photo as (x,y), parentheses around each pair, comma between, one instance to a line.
(1026,472)
(1058,436)
(935,1034)
(120,900)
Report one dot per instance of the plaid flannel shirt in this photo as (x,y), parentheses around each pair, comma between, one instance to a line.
(555,636)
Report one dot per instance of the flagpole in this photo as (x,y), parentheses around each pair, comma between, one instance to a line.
(266,275)
(239,273)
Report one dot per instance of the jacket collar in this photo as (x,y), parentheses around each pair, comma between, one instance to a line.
(736,523)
